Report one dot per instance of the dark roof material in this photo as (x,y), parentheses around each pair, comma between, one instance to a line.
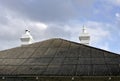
(58,57)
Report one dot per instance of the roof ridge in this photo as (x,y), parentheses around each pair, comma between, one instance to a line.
(66,41)
(89,46)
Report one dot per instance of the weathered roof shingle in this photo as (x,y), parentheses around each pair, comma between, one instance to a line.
(58,57)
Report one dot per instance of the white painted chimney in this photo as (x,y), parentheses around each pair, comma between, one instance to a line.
(26,38)
(84,37)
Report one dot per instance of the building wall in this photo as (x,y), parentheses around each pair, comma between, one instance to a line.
(61,78)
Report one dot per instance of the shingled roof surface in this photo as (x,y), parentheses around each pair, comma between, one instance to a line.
(59,57)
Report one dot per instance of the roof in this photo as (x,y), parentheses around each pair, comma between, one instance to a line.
(59,57)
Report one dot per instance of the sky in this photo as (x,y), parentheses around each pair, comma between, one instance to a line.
(48,19)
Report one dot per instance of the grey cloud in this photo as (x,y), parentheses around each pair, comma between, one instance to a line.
(42,10)
(3,17)
(9,44)
(48,10)
(3,20)
(10,33)
(56,12)
(53,31)
(57,32)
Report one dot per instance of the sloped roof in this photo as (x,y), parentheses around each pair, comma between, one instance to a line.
(59,57)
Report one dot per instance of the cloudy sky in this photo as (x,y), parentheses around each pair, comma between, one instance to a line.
(61,19)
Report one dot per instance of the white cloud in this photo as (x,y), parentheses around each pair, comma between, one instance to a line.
(117,2)
(117,16)
(97,31)
(39,21)
(114,2)
(17,24)
(14,27)
(39,25)
(98,34)
(105,46)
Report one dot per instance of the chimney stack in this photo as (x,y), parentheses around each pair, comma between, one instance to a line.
(26,38)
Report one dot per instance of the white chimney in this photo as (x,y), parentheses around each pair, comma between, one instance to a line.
(84,37)
(26,38)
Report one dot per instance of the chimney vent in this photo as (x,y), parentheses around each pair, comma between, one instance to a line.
(84,37)
(26,38)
